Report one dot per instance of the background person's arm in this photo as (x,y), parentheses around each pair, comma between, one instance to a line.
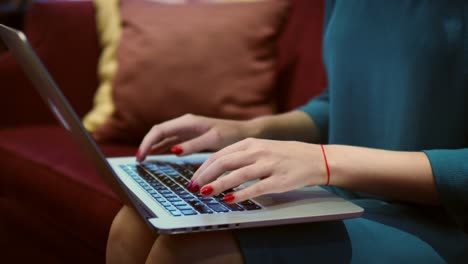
(295,125)
(307,124)
(191,133)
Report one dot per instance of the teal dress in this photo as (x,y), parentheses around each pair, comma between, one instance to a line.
(397,80)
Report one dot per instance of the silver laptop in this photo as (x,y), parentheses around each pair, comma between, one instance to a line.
(157,187)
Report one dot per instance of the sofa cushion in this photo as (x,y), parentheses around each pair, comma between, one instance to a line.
(109,31)
(42,169)
(218,61)
(109,27)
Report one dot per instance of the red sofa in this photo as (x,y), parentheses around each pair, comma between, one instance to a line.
(53,206)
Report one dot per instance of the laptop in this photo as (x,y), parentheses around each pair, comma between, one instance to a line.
(156,188)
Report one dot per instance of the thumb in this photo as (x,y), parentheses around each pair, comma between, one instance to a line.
(203,142)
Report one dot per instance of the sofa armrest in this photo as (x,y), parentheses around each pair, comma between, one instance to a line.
(63,34)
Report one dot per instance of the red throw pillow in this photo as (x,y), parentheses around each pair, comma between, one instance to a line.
(211,59)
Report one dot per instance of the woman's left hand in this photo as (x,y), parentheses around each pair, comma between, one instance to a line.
(280,166)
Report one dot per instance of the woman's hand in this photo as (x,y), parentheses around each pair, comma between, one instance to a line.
(280,166)
(191,133)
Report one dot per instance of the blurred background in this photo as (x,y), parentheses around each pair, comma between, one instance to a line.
(12,14)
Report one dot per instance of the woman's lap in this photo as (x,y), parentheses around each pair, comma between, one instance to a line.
(387,232)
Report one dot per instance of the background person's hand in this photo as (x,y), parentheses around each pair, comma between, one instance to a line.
(190,133)
(281,166)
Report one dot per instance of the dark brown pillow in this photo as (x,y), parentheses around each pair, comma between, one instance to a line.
(211,59)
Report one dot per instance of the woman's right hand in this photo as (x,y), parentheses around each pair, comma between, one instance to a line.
(190,133)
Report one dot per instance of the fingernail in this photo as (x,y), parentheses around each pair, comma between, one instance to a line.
(138,155)
(207,190)
(229,198)
(189,185)
(177,150)
(194,188)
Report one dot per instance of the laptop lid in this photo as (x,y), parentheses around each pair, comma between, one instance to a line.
(18,45)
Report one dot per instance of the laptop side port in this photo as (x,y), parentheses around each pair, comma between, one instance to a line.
(180,230)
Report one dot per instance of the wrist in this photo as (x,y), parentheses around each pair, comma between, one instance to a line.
(397,175)
(258,127)
(338,162)
(326,166)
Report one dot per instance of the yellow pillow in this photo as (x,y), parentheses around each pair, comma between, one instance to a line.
(110,31)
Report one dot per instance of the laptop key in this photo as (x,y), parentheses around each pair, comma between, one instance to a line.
(200,207)
(159,176)
(234,207)
(184,207)
(203,209)
(181,180)
(170,208)
(179,203)
(173,174)
(167,182)
(209,201)
(183,192)
(198,196)
(178,189)
(218,208)
(173,199)
(155,183)
(170,195)
(161,188)
(249,205)
(175,213)
(165,204)
(188,212)
(186,196)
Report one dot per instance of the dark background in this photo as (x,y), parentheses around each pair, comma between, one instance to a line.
(12,14)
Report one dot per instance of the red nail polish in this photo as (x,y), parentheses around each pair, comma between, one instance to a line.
(229,198)
(189,185)
(207,190)
(138,155)
(177,150)
(194,188)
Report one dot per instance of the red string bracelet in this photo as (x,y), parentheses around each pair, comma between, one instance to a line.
(326,164)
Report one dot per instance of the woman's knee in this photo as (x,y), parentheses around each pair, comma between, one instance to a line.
(207,247)
(122,225)
(129,238)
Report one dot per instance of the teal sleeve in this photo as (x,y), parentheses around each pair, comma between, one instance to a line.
(329,5)
(317,109)
(450,169)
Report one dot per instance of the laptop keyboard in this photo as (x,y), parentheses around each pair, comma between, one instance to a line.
(166,183)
